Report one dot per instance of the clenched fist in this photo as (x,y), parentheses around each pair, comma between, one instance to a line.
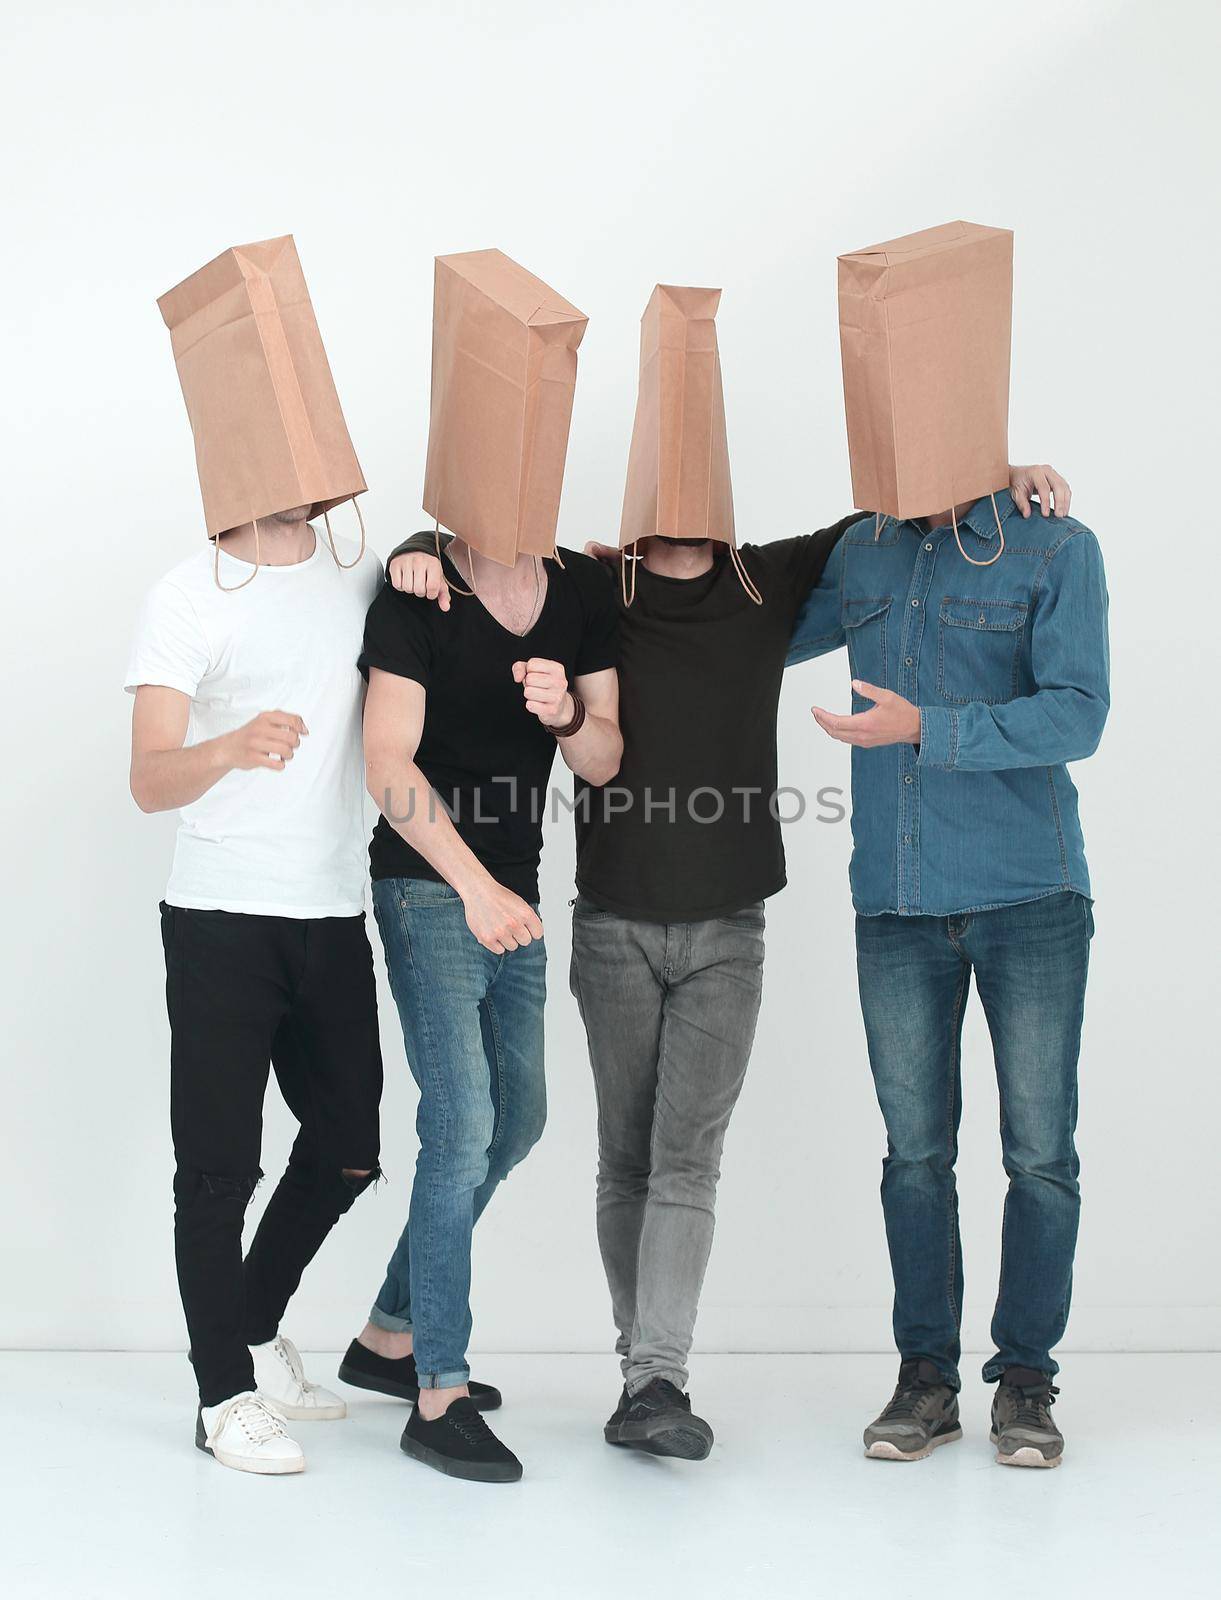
(500,919)
(267,740)
(545,685)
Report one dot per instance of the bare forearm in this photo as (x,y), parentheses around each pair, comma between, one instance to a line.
(166,780)
(411,806)
(594,751)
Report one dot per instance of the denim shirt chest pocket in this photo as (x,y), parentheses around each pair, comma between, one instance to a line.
(866,618)
(979,649)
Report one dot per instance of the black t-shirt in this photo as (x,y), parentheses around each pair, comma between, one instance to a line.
(700,667)
(487,757)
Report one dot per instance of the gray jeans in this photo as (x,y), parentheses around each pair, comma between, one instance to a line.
(669,1012)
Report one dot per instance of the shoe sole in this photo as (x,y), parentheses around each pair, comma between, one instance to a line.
(682,1440)
(471,1471)
(883,1450)
(1028,1456)
(266,1469)
(403,1391)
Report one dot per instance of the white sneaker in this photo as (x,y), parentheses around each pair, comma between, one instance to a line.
(280,1379)
(246,1434)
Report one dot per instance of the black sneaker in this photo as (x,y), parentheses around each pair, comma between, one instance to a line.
(461,1445)
(611,1431)
(364,1369)
(922,1414)
(1022,1429)
(659,1419)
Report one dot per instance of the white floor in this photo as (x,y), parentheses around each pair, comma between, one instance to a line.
(102,1493)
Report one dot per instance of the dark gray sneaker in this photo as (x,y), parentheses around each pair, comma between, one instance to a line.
(1022,1429)
(923,1413)
(659,1420)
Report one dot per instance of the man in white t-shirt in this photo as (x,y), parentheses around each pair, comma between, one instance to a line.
(247,720)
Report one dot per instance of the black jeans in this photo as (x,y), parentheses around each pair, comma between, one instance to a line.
(245,992)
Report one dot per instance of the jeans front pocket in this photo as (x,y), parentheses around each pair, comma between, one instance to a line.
(978,649)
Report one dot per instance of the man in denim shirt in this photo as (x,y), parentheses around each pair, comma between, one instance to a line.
(975,680)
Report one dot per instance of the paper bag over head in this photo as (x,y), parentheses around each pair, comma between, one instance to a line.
(269,430)
(678,482)
(924,326)
(504,372)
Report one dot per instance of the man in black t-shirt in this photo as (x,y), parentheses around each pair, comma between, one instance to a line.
(462,721)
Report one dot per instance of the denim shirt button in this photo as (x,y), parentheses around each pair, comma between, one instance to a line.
(907,661)
(907,777)
(915,603)
(928,547)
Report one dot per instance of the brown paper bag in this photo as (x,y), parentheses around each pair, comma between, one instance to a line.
(678,481)
(269,432)
(504,370)
(924,326)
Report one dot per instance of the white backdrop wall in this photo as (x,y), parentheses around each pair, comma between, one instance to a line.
(609,147)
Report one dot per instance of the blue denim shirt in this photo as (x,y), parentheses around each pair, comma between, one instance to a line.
(1009,666)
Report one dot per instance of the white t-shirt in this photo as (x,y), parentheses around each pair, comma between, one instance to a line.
(290,843)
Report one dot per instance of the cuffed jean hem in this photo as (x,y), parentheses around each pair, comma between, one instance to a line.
(995,1369)
(443,1380)
(949,1374)
(383,1319)
(641,1380)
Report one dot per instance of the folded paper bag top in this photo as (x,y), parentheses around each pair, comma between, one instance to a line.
(269,431)
(504,371)
(678,482)
(925,337)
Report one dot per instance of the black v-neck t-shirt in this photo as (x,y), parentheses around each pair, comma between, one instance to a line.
(688,829)
(487,757)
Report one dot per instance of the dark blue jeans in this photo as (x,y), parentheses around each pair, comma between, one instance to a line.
(1030,963)
(473,1027)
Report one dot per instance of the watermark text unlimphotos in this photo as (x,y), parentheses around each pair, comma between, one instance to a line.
(706,805)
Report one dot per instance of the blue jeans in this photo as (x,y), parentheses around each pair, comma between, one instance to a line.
(1030,963)
(473,1027)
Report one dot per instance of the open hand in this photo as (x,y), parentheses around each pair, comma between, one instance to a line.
(890,720)
(1053,491)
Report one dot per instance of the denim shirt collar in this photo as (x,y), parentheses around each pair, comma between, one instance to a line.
(979,519)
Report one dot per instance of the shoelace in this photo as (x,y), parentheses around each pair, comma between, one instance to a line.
(907,1402)
(257,1422)
(291,1357)
(471,1426)
(1034,1408)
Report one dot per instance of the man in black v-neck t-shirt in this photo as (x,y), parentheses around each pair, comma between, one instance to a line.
(462,722)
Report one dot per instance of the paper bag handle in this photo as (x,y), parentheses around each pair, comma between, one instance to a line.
(346,566)
(436,539)
(227,588)
(744,577)
(628,557)
(999,530)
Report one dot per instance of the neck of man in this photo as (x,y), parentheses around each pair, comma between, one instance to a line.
(492,575)
(280,544)
(678,560)
(944,518)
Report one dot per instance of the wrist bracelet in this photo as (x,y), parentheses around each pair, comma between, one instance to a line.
(578,718)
